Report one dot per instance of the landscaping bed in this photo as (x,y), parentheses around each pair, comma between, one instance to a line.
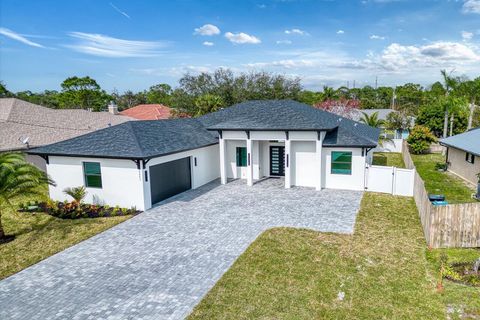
(38,236)
(76,210)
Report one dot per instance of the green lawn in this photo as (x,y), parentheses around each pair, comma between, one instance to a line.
(39,236)
(297,274)
(389,159)
(464,301)
(436,182)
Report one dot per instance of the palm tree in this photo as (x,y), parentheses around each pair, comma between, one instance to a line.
(449,83)
(373,121)
(329,93)
(18,178)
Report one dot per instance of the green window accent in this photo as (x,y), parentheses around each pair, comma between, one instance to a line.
(341,162)
(92,174)
(241,157)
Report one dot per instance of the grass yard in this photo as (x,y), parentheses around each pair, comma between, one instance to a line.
(462,302)
(436,182)
(389,159)
(297,274)
(39,236)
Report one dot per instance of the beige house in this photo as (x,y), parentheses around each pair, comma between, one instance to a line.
(463,154)
(24,125)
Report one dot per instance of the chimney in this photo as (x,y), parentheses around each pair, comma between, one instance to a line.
(112,108)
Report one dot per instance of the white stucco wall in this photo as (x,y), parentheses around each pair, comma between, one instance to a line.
(121,180)
(304,165)
(122,183)
(355,181)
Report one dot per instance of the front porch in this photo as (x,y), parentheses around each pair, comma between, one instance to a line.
(294,156)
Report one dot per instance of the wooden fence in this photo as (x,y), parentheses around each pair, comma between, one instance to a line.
(453,225)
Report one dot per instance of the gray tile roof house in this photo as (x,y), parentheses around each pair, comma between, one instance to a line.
(463,152)
(149,139)
(468,141)
(20,120)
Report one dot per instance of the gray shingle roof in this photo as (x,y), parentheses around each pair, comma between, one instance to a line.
(149,139)
(20,119)
(292,115)
(468,141)
(135,140)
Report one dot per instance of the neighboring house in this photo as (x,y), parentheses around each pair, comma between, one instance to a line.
(143,162)
(463,154)
(148,112)
(24,125)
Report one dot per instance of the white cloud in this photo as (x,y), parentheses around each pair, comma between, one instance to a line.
(340,32)
(284,42)
(471,6)
(296,31)
(123,13)
(105,46)
(288,64)
(207,30)
(18,37)
(439,54)
(376,37)
(208,43)
(467,35)
(242,38)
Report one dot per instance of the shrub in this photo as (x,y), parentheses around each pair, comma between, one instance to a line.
(420,139)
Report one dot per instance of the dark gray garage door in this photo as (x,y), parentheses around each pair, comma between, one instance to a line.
(170,178)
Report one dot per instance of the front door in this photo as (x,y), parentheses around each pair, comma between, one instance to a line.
(277,161)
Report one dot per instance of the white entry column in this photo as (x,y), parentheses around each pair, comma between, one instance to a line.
(249,161)
(288,175)
(319,145)
(223,165)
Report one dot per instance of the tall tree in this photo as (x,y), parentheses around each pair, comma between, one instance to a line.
(329,93)
(18,178)
(160,94)
(232,88)
(208,103)
(470,89)
(449,83)
(4,92)
(83,93)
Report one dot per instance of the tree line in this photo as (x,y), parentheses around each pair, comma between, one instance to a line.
(446,107)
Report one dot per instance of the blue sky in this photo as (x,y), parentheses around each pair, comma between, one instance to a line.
(135,44)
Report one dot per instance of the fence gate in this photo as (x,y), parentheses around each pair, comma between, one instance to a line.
(391,180)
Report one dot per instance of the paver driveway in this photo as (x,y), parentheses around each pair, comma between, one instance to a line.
(160,264)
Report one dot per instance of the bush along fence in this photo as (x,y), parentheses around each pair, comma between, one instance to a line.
(452,225)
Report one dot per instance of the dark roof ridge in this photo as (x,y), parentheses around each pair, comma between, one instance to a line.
(135,137)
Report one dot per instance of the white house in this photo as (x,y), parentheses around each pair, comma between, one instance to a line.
(141,163)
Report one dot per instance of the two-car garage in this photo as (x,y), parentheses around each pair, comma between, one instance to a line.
(170,178)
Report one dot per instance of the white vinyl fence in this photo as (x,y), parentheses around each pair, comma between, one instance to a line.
(391,180)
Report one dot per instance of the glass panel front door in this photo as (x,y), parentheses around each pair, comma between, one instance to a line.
(277,161)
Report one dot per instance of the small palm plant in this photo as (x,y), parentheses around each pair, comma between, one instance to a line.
(18,179)
(77,193)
